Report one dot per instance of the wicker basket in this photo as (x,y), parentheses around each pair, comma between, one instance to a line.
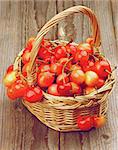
(60,113)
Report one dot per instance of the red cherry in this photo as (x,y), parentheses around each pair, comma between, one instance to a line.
(56,68)
(45,43)
(85,123)
(89,67)
(44,53)
(19,88)
(30,43)
(10,69)
(62,78)
(45,79)
(45,49)
(16,90)
(33,94)
(71,49)
(100,83)
(44,68)
(65,89)
(60,52)
(53,59)
(86,47)
(10,94)
(102,68)
(82,57)
(65,60)
(52,89)
(76,89)
(26,57)
(25,69)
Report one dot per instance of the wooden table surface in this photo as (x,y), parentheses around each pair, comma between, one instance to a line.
(19,20)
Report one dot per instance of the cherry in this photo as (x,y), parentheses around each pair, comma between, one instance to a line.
(9,78)
(10,94)
(62,78)
(100,83)
(10,69)
(65,89)
(90,66)
(63,61)
(86,47)
(99,121)
(91,78)
(26,57)
(53,59)
(30,43)
(25,69)
(85,123)
(102,68)
(33,94)
(82,57)
(44,53)
(56,68)
(44,68)
(75,67)
(60,52)
(89,89)
(76,89)
(45,79)
(77,76)
(71,49)
(19,88)
(52,89)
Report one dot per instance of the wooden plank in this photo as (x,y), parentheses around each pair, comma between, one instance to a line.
(106,137)
(19,129)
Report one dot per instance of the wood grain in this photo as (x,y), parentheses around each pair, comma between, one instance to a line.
(19,20)
(19,129)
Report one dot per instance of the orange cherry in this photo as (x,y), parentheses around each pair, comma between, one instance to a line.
(10,78)
(77,76)
(88,90)
(99,121)
(91,78)
(90,40)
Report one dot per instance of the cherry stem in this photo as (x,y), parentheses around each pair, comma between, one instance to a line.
(66,64)
(107,71)
(47,49)
(64,68)
(41,61)
(95,57)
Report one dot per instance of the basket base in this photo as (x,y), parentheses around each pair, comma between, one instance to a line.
(38,111)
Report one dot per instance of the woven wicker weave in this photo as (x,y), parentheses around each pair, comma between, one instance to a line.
(60,113)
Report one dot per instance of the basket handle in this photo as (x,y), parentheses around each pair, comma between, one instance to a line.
(56,19)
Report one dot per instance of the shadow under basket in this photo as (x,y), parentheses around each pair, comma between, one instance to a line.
(60,113)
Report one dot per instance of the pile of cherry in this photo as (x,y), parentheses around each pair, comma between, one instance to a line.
(63,70)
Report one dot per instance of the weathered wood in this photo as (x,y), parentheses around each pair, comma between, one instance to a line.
(19,20)
(105,137)
(19,129)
